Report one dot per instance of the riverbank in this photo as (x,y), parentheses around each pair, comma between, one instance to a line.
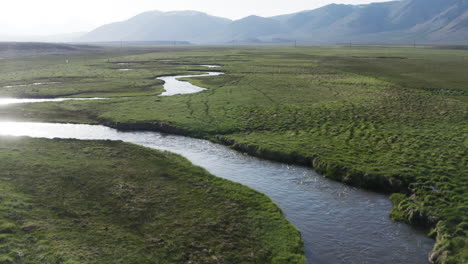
(408,212)
(111,202)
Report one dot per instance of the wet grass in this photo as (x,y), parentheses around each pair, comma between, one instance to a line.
(387,118)
(70,201)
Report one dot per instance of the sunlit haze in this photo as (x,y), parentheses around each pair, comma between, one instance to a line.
(49,17)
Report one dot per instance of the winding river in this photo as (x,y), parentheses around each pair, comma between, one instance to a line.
(339,224)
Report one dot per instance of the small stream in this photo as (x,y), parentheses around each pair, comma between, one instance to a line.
(339,224)
(174,87)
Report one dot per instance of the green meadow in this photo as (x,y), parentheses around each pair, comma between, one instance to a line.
(71,201)
(390,119)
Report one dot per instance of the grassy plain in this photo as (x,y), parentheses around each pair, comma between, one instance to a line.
(392,119)
(71,201)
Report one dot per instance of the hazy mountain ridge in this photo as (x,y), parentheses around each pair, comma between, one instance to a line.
(428,21)
(156,25)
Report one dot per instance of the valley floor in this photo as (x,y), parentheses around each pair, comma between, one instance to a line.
(392,119)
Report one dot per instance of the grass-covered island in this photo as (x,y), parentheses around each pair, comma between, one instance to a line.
(391,119)
(71,201)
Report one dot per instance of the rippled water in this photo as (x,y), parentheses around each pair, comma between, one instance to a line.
(339,224)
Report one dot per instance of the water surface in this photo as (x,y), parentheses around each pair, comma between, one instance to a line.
(30,84)
(175,87)
(9,101)
(210,66)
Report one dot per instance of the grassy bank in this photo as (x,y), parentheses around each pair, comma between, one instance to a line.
(70,201)
(392,119)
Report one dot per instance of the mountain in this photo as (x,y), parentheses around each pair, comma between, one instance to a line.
(253,27)
(159,26)
(452,24)
(317,18)
(424,21)
(394,22)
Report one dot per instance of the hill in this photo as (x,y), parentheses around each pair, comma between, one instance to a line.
(158,26)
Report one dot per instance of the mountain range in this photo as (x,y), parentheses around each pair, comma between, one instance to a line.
(396,22)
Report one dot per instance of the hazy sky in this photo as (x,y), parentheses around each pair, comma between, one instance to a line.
(47,17)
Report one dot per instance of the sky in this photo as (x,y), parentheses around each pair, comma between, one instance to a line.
(50,17)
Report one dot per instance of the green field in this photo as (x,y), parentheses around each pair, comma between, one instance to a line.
(392,119)
(71,201)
